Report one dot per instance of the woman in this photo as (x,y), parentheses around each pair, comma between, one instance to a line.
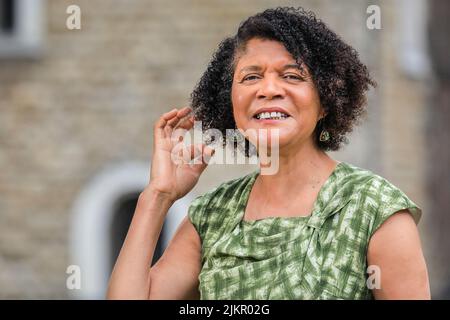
(317,228)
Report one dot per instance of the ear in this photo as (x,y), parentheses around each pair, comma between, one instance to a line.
(322,114)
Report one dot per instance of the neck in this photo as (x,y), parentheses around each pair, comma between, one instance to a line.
(302,169)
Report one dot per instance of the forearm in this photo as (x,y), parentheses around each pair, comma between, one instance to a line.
(130,278)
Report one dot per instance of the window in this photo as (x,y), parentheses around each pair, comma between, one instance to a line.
(21,28)
(6,16)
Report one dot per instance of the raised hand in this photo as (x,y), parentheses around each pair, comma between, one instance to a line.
(172,173)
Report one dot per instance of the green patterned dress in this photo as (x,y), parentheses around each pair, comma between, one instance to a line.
(320,256)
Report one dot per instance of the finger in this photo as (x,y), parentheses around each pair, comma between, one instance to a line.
(178,135)
(187,123)
(188,153)
(165,117)
(180,154)
(173,122)
(195,153)
(162,122)
(180,114)
(176,111)
(200,152)
(184,112)
(208,151)
(202,160)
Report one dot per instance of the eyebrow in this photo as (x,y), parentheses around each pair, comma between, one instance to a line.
(258,68)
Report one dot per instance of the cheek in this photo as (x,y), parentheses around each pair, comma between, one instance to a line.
(304,97)
(307,99)
(239,99)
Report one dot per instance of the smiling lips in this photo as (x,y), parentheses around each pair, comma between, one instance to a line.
(271,114)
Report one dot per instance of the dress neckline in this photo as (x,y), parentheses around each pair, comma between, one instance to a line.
(249,186)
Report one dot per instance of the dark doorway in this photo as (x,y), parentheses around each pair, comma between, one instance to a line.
(6,16)
(122,215)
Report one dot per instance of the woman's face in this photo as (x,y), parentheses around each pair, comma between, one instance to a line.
(267,79)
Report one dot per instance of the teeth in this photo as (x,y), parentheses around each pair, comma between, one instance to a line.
(271,115)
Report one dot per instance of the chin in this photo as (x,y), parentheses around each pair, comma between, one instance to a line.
(280,135)
(272,141)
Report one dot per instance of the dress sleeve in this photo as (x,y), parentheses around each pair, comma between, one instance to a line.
(391,200)
(196,214)
(210,212)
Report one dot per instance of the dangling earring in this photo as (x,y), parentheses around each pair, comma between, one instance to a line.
(324,134)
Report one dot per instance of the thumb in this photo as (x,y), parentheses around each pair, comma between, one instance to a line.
(206,154)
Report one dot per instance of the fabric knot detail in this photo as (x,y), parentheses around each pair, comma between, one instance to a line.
(315,222)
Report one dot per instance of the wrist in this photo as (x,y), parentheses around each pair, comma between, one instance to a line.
(152,195)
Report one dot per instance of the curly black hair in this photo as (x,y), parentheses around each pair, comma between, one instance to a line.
(338,74)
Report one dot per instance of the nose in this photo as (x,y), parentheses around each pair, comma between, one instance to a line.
(270,88)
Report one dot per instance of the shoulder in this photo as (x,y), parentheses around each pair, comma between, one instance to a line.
(211,207)
(356,177)
(378,197)
(370,184)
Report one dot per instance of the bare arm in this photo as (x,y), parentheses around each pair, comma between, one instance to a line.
(130,278)
(175,274)
(396,249)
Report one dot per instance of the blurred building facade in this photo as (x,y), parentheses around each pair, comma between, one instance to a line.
(77,109)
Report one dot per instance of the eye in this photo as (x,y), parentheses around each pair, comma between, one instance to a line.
(292,76)
(250,77)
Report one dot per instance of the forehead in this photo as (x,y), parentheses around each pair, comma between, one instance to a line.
(264,51)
